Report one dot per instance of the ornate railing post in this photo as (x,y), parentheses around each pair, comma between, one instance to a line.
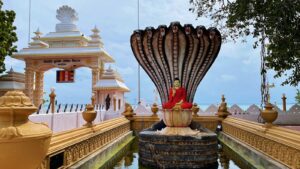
(52,96)
(269,115)
(128,113)
(222,110)
(195,110)
(154,110)
(89,115)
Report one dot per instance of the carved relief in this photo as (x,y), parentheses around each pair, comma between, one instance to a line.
(281,152)
(66,14)
(80,150)
(9,132)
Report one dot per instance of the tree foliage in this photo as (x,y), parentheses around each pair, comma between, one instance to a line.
(277,22)
(7,35)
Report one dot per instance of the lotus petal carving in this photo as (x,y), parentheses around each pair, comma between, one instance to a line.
(178,51)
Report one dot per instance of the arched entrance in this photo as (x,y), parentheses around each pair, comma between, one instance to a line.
(66,48)
(77,92)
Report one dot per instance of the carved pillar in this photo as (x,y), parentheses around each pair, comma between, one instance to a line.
(29,79)
(115,103)
(93,99)
(95,77)
(39,88)
(101,70)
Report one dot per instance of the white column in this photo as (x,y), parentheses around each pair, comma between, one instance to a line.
(39,88)
(95,77)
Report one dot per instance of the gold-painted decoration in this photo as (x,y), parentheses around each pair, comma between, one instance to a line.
(269,114)
(195,110)
(89,115)
(79,143)
(210,122)
(18,135)
(154,109)
(222,110)
(52,96)
(139,123)
(279,143)
(128,111)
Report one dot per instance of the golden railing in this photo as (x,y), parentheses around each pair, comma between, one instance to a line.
(76,144)
(138,123)
(210,122)
(279,143)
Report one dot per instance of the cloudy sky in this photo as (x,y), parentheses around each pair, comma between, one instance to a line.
(235,72)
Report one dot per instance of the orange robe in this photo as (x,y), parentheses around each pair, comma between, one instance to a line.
(180,94)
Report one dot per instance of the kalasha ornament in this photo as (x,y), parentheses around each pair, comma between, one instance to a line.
(176,51)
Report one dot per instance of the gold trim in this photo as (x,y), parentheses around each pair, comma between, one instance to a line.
(81,142)
(279,143)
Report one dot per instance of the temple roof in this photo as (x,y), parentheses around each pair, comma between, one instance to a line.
(111,80)
(67,40)
(58,52)
(12,80)
(11,75)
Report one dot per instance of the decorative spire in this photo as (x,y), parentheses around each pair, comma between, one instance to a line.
(95,30)
(11,69)
(223,98)
(95,38)
(37,43)
(37,34)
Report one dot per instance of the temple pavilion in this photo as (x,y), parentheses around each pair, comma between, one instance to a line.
(66,48)
(111,88)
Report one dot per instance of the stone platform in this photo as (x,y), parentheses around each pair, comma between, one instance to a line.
(174,151)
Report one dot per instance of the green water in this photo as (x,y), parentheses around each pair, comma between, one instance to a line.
(129,160)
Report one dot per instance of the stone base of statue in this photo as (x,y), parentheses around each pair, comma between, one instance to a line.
(177,142)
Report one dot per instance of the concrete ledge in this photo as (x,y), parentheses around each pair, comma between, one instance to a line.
(250,155)
(100,158)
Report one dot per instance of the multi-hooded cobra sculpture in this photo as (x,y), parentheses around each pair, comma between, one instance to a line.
(176,51)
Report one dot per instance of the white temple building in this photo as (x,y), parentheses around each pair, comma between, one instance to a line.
(12,81)
(67,49)
(111,87)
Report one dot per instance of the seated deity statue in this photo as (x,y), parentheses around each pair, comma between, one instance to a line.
(177,95)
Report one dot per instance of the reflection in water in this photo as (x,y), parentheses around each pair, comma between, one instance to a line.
(227,159)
